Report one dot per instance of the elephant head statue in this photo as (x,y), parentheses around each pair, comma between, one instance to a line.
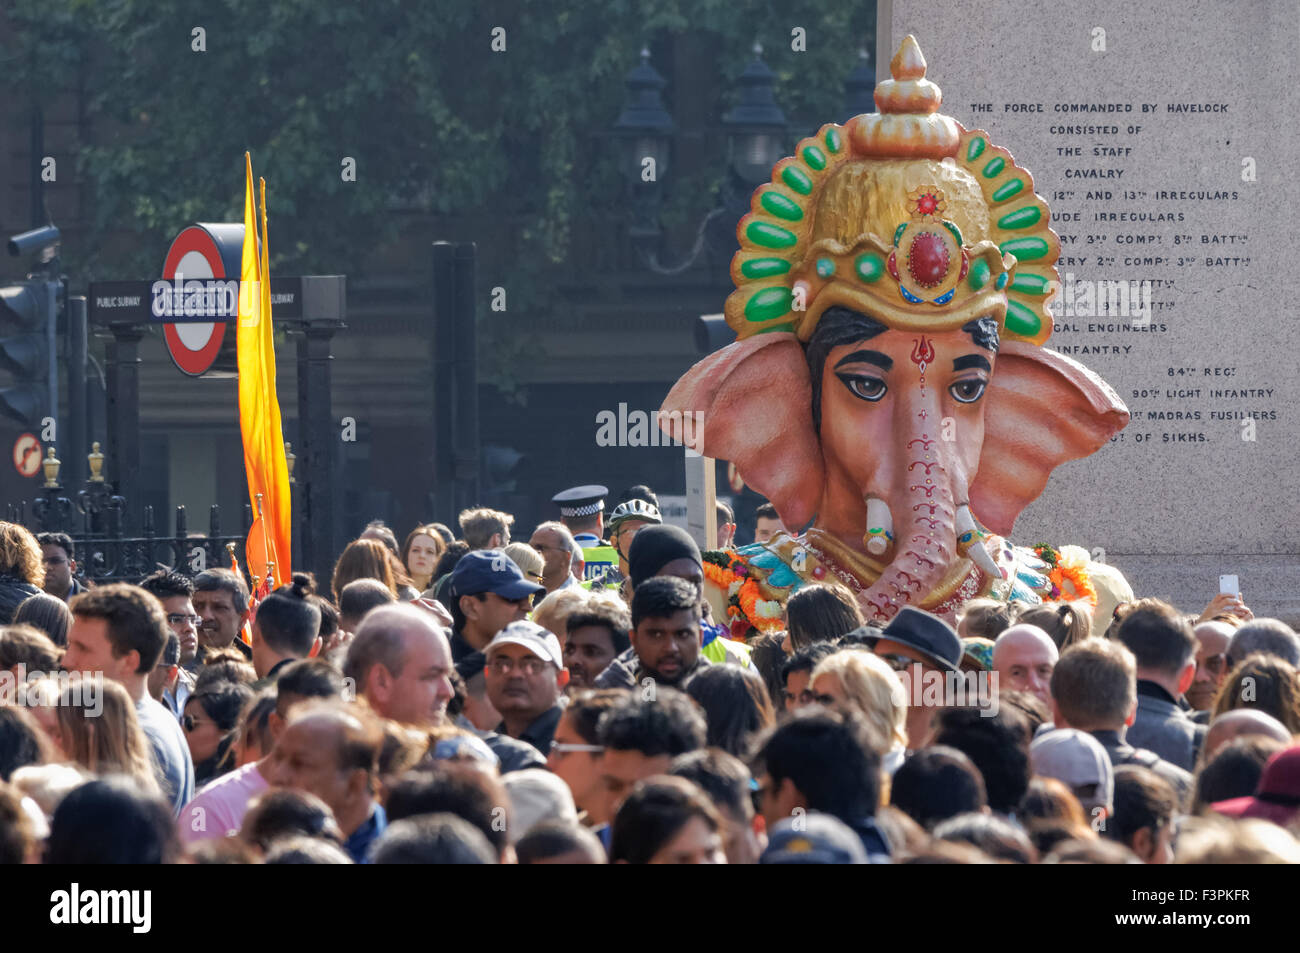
(889,388)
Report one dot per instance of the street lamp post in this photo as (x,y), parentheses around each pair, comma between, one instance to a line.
(756,131)
(860,87)
(756,127)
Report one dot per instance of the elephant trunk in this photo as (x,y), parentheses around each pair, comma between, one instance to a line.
(925,543)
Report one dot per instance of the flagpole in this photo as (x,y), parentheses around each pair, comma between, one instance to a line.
(267,546)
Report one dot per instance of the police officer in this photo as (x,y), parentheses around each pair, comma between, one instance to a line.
(582,510)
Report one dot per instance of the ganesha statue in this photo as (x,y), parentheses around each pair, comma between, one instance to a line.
(889,390)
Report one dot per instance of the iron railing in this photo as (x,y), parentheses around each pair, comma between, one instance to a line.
(93,520)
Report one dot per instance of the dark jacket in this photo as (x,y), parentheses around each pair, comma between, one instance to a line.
(874,840)
(626,671)
(12,593)
(514,755)
(1121,752)
(541,732)
(1164,727)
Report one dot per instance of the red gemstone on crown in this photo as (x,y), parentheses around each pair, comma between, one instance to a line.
(926,204)
(927,260)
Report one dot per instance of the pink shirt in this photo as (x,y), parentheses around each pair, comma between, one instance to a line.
(218,809)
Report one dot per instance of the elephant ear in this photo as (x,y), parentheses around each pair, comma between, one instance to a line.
(1042,410)
(755,401)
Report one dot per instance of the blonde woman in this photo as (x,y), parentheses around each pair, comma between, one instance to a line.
(553,612)
(865,683)
(22,568)
(528,560)
(98,730)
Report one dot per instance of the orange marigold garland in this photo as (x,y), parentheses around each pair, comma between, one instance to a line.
(746,606)
(1067,567)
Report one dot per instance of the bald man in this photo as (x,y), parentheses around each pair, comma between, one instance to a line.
(1212,640)
(1023,657)
(1242,721)
(332,750)
(401,662)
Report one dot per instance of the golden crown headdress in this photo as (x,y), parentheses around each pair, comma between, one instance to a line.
(903,214)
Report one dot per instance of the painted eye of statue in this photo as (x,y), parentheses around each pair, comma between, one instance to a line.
(968,391)
(864,387)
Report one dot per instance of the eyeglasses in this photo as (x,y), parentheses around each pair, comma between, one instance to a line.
(558,748)
(177,618)
(504,664)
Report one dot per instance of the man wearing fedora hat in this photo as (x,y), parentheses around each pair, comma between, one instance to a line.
(916,643)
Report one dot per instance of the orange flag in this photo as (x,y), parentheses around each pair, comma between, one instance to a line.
(259,408)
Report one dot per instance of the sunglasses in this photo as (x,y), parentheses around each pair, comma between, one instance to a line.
(899,663)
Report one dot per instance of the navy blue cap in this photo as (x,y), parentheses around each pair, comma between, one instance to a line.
(813,838)
(490,570)
(922,631)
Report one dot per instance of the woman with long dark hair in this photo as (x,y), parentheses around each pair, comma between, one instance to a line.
(735,705)
(210,722)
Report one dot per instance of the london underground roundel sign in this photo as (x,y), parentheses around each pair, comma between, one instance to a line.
(197,256)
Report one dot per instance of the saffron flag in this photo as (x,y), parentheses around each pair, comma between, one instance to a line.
(269,539)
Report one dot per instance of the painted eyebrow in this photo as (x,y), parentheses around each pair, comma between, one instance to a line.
(971,360)
(870,357)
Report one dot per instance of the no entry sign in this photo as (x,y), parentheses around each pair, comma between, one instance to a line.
(27,455)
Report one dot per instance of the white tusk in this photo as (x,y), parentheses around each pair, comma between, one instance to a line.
(880,527)
(973,548)
(980,556)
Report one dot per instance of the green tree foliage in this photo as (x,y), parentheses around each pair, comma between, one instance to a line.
(450,139)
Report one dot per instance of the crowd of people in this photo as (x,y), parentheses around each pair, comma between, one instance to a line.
(463,697)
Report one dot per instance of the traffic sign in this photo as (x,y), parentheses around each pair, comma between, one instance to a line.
(199,253)
(27,455)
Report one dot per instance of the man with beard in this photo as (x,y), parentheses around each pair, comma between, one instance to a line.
(1212,640)
(221,601)
(525,682)
(58,554)
(598,632)
(667,550)
(665,636)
